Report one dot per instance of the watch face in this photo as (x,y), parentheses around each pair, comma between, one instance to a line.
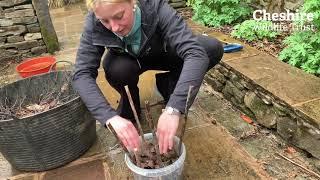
(170,110)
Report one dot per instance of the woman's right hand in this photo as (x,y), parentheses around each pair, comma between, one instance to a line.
(126,132)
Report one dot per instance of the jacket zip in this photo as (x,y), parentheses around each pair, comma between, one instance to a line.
(145,43)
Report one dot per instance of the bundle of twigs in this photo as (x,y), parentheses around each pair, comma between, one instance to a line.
(149,156)
(50,98)
(60,3)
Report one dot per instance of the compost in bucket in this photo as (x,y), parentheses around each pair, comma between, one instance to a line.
(167,171)
(149,159)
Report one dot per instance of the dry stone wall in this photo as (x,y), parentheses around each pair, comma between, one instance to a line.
(266,109)
(277,6)
(20,35)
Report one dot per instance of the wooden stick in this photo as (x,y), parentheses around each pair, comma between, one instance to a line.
(120,142)
(302,167)
(153,129)
(155,104)
(135,113)
(138,159)
(185,120)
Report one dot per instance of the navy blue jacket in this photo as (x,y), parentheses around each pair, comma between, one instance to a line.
(162,28)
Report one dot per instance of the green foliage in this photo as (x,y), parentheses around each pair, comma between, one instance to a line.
(302,51)
(219,12)
(190,2)
(302,47)
(313,6)
(253,30)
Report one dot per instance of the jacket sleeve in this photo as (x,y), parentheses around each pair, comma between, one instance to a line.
(86,71)
(185,44)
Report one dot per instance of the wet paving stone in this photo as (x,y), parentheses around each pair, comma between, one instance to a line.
(91,170)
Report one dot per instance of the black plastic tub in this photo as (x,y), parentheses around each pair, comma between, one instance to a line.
(48,139)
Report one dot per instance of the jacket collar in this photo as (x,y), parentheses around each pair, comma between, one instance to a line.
(104,37)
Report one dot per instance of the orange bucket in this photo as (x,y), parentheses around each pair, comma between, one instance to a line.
(35,66)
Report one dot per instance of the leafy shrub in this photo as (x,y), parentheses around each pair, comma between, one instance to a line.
(219,12)
(253,30)
(302,51)
(313,6)
(302,47)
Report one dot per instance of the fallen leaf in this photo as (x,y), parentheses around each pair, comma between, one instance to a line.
(290,150)
(246,119)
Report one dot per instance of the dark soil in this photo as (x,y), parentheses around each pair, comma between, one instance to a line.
(149,160)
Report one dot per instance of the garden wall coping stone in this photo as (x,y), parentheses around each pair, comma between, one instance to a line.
(273,93)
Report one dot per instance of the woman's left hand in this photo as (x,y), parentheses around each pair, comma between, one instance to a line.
(166,130)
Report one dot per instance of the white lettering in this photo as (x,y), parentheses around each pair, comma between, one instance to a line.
(275,17)
(266,16)
(310,17)
(290,16)
(255,15)
(282,16)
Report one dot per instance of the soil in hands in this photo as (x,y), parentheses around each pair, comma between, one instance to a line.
(149,158)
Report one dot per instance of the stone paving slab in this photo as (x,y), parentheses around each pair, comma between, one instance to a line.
(290,84)
(211,154)
(91,170)
(311,109)
(75,19)
(62,13)
(246,52)
(93,167)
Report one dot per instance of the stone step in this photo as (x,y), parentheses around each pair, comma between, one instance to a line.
(272,92)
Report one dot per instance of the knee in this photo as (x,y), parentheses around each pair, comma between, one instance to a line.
(121,71)
(214,49)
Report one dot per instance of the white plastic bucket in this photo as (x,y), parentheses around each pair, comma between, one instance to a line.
(171,172)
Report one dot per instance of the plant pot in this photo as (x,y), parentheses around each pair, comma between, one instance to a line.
(48,139)
(171,172)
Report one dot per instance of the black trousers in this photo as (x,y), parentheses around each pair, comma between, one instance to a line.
(121,70)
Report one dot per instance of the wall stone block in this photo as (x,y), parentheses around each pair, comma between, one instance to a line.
(12,30)
(24,20)
(20,13)
(265,114)
(33,28)
(6,22)
(39,50)
(32,36)
(10,3)
(25,6)
(14,39)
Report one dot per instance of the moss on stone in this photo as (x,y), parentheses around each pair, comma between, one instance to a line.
(50,40)
(47,30)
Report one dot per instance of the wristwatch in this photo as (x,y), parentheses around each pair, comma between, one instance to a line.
(172,111)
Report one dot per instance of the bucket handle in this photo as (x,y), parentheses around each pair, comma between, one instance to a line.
(55,63)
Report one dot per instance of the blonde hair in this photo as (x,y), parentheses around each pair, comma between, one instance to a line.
(91,3)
